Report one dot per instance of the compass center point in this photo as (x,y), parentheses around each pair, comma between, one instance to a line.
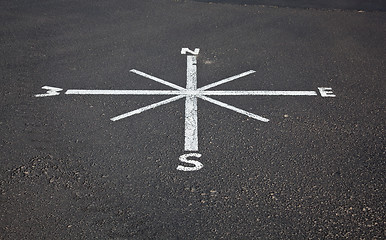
(191,92)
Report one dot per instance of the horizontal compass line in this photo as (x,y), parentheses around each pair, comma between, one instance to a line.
(190,92)
(123,92)
(261,93)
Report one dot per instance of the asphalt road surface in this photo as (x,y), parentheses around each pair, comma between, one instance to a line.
(300,157)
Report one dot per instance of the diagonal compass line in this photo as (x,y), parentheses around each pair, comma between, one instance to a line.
(157,79)
(221,104)
(140,110)
(226,80)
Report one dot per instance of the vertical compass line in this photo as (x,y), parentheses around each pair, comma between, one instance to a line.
(139,110)
(227,80)
(224,105)
(191,120)
(157,79)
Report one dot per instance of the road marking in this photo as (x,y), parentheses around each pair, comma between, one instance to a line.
(156,79)
(187,50)
(187,92)
(140,110)
(227,80)
(190,93)
(191,121)
(261,93)
(326,92)
(197,164)
(224,105)
(52,91)
(122,92)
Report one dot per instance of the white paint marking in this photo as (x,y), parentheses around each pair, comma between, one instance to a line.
(187,50)
(156,79)
(221,104)
(191,122)
(51,91)
(260,93)
(226,80)
(169,100)
(123,92)
(197,164)
(326,92)
(189,92)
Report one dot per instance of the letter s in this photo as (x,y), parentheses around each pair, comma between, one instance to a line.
(197,164)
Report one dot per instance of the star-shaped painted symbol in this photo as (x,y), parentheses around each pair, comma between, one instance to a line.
(190,93)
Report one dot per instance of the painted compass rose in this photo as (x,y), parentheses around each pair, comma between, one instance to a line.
(190,93)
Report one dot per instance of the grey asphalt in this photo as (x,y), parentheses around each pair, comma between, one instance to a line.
(316,170)
(359,5)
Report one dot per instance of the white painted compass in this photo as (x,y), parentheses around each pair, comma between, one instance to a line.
(190,93)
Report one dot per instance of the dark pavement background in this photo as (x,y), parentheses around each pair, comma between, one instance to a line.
(315,171)
(364,5)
